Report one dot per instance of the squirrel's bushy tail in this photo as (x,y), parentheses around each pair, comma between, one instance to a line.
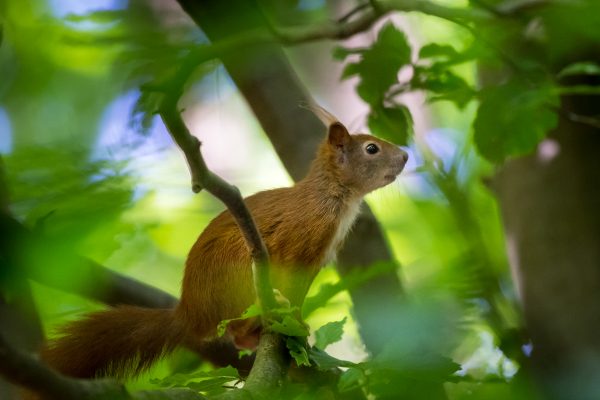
(119,342)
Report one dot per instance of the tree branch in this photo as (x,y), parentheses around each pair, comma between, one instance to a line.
(108,287)
(288,36)
(202,177)
(270,364)
(23,370)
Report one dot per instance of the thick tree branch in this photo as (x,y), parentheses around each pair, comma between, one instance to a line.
(268,372)
(21,369)
(108,287)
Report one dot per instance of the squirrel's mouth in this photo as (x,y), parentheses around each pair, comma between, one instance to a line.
(395,172)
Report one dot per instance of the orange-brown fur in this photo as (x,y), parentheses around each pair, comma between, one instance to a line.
(298,225)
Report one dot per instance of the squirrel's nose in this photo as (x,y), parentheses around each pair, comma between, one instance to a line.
(404,156)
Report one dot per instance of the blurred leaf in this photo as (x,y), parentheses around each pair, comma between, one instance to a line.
(379,65)
(392,124)
(99,16)
(210,386)
(325,361)
(435,50)
(444,83)
(244,353)
(352,280)
(350,380)
(580,68)
(417,364)
(513,118)
(209,382)
(350,70)
(180,380)
(329,333)
(297,348)
(340,53)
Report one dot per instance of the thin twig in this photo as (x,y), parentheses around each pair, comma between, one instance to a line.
(296,35)
(353,12)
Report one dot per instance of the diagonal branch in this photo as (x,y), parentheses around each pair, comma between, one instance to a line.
(271,364)
(230,195)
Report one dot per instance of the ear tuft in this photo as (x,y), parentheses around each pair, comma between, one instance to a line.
(338,135)
(324,116)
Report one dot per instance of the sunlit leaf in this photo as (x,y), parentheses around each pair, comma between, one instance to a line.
(329,333)
(353,280)
(435,50)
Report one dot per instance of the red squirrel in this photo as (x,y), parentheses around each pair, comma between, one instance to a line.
(302,227)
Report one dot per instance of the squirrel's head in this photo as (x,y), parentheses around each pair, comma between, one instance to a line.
(363,162)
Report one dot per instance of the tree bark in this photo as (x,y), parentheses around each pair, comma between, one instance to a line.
(550,203)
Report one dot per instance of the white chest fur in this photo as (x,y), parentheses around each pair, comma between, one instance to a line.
(346,221)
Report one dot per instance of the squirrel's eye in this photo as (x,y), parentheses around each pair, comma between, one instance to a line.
(372,148)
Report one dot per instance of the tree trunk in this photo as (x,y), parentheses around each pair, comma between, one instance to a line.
(550,203)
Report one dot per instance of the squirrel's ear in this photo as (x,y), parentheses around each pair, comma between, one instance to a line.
(338,135)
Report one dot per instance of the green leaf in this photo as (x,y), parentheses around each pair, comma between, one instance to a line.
(443,82)
(99,16)
(379,65)
(212,386)
(325,361)
(513,118)
(290,326)
(340,53)
(180,379)
(417,364)
(244,352)
(297,348)
(329,333)
(434,50)
(352,280)
(351,379)
(350,70)
(393,124)
(580,68)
